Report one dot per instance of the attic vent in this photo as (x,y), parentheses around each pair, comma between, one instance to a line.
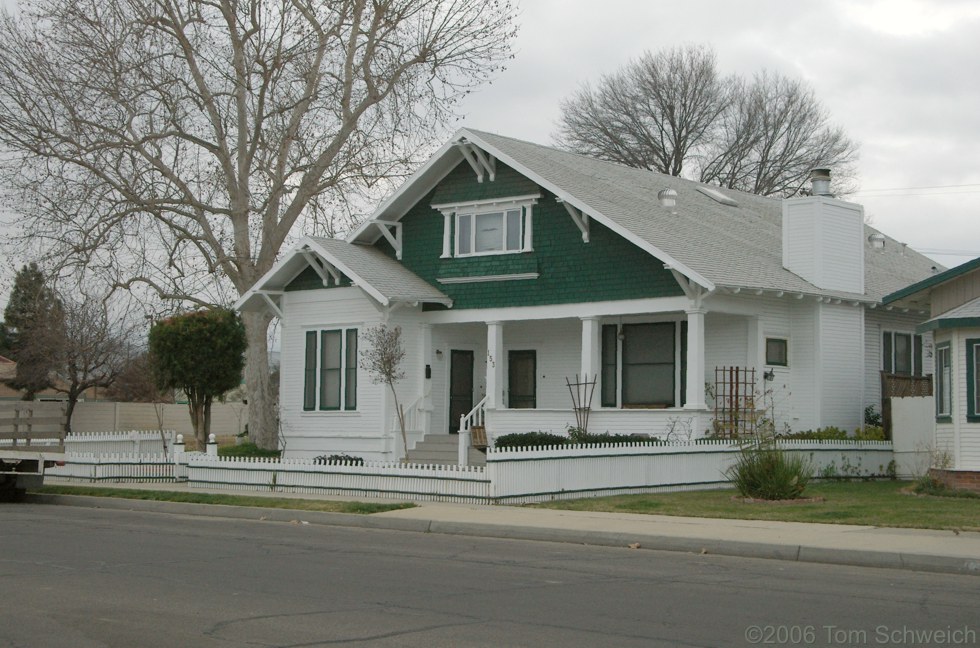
(717,196)
(667,198)
(877,241)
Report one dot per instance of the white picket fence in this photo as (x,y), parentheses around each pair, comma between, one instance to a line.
(520,475)
(131,442)
(512,475)
(116,467)
(372,479)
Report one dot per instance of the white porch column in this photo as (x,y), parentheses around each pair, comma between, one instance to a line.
(695,359)
(495,365)
(590,347)
(425,397)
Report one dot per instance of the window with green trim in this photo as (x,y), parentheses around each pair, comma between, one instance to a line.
(609,365)
(972,382)
(330,371)
(901,353)
(944,379)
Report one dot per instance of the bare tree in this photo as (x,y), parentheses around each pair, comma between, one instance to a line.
(772,133)
(173,145)
(653,114)
(382,359)
(93,352)
(672,112)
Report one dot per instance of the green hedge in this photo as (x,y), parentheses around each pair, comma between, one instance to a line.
(575,437)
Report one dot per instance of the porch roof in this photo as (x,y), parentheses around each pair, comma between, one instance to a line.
(386,280)
(965,316)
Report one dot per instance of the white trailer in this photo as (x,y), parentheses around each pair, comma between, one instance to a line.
(32,439)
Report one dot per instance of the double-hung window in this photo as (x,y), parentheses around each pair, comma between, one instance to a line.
(944,382)
(330,370)
(973,380)
(901,353)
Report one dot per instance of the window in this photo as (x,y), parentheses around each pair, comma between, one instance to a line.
(901,353)
(944,378)
(777,352)
(330,376)
(493,232)
(973,380)
(640,362)
(610,365)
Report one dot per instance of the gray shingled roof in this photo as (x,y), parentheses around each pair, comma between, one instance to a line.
(730,246)
(386,275)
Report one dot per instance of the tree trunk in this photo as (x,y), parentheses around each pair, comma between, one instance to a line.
(263,411)
(69,410)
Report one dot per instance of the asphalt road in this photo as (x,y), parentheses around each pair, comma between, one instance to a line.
(88,577)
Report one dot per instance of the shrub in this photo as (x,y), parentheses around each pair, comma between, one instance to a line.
(530,439)
(763,471)
(247,449)
(338,459)
(871,416)
(870,433)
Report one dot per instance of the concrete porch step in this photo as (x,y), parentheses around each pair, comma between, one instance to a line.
(443,449)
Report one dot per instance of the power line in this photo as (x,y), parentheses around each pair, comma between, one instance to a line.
(944,252)
(956,186)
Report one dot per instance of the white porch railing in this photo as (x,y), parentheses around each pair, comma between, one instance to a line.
(476,417)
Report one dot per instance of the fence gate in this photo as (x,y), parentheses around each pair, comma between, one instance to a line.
(735,411)
(896,386)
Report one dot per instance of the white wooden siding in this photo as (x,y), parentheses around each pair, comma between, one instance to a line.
(308,434)
(842,372)
(800,397)
(877,321)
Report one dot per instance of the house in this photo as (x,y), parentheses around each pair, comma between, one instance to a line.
(515,270)
(952,299)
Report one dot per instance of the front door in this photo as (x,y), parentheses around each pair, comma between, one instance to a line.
(460,387)
(521,384)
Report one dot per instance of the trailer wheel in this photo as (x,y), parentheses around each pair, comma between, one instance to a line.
(8,488)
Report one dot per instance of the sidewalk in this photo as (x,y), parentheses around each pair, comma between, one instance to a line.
(913,549)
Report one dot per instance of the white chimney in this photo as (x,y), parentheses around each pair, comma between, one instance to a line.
(823,238)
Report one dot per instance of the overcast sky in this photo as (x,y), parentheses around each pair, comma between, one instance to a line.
(901,77)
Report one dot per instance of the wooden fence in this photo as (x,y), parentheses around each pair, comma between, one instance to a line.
(25,424)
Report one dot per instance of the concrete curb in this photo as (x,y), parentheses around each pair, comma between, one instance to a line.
(771,551)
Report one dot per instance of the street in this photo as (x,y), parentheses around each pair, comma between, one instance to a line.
(89,577)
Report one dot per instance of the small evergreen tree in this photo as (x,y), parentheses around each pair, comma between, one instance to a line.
(201,353)
(34,331)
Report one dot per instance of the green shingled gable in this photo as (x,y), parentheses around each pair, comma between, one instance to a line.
(570,271)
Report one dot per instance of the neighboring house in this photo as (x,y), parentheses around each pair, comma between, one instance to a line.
(953,300)
(512,267)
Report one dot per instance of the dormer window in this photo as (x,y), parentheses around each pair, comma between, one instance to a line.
(487,227)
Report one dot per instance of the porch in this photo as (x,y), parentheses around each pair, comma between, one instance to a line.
(647,373)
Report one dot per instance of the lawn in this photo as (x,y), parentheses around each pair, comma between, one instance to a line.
(329,506)
(877,503)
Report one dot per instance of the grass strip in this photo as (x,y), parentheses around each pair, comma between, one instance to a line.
(329,506)
(874,503)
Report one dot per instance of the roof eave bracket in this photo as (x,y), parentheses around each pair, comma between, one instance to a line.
(322,268)
(396,239)
(581,219)
(481,162)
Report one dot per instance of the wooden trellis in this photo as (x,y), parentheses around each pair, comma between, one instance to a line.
(735,406)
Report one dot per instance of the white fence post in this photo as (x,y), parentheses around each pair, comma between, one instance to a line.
(212,446)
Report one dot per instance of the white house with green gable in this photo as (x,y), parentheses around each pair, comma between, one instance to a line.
(513,267)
